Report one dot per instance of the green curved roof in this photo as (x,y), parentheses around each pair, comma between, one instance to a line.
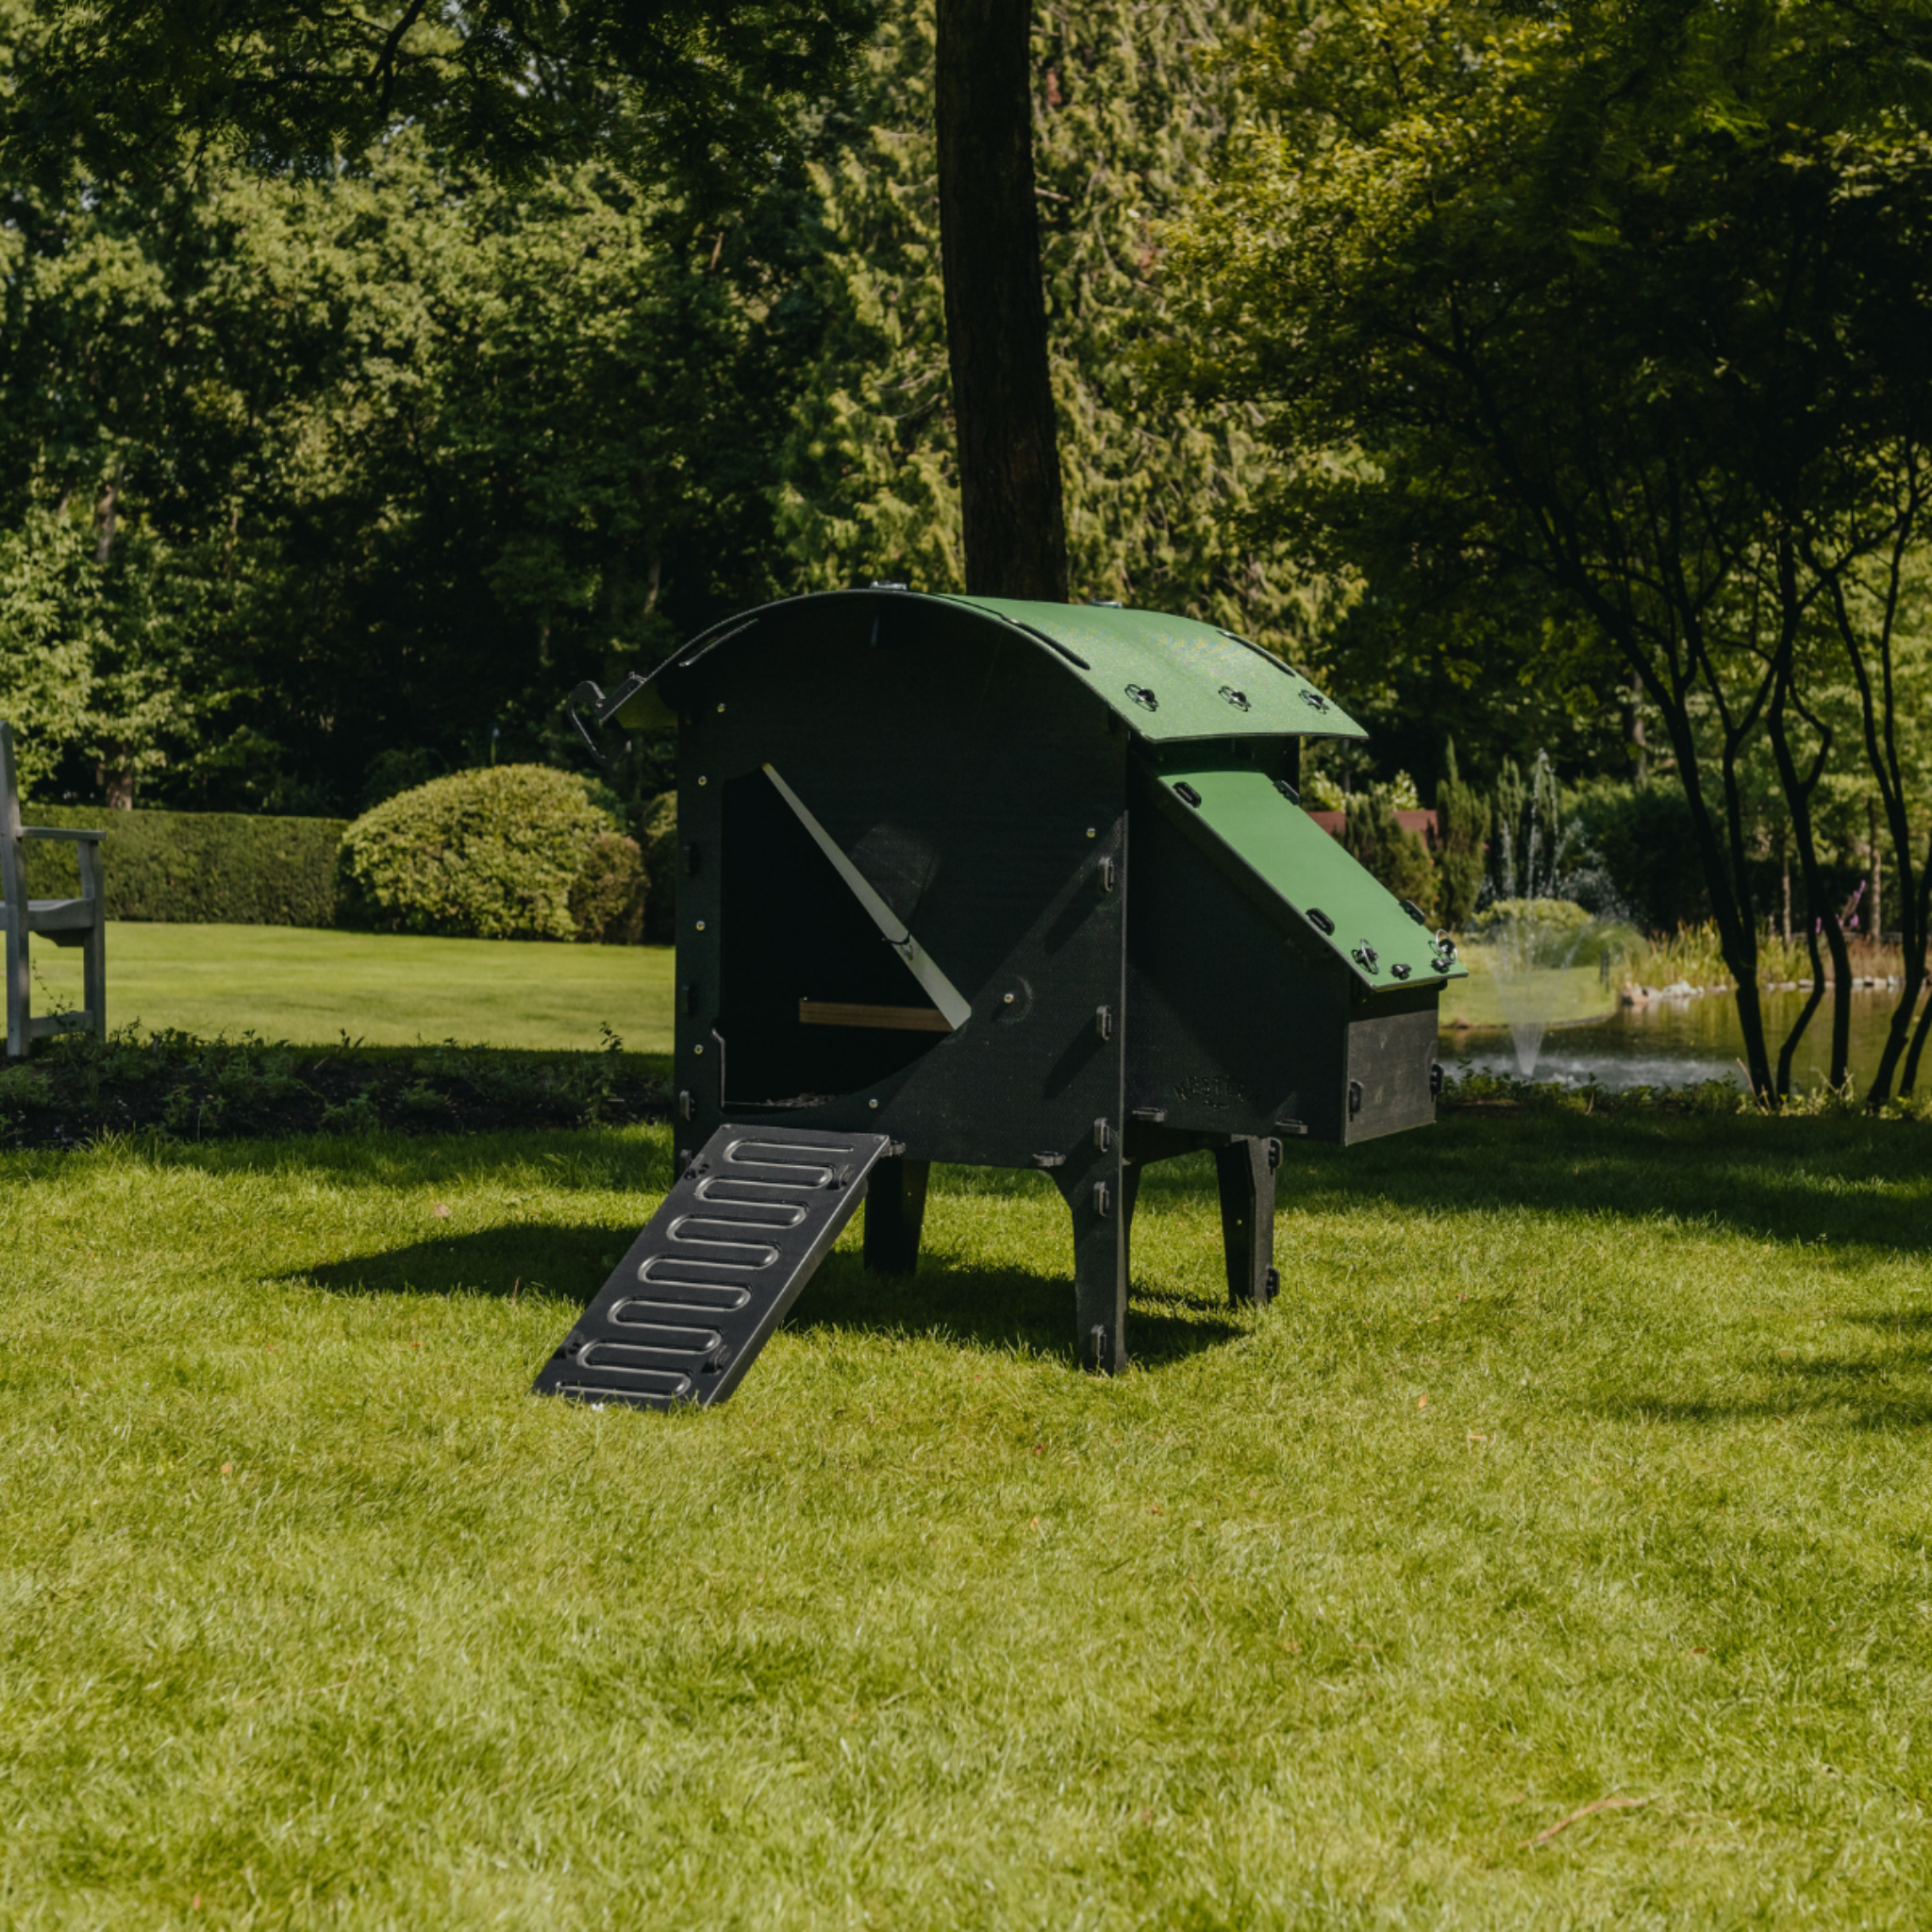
(1167,677)
(1204,683)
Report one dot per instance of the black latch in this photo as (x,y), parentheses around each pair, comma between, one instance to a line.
(1366,956)
(1400,969)
(1287,791)
(1355,1098)
(1435,1080)
(1273,1283)
(1274,1155)
(1414,911)
(1143,696)
(1315,698)
(1187,794)
(1238,699)
(1318,920)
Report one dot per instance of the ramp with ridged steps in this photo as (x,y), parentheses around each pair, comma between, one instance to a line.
(716,1270)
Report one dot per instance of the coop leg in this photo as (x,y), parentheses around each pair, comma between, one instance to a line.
(1245,1170)
(1098,1195)
(894,1211)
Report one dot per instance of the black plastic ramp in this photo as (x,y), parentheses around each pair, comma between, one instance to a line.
(716,1267)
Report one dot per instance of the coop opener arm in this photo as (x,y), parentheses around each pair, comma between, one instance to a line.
(939,988)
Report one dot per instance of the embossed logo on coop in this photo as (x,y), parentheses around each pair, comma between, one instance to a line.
(1211,1091)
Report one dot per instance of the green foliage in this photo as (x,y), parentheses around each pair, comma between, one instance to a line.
(198,868)
(1614,316)
(490,854)
(657,837)
(1462,821)
(151,89)
(173,1086)
(606,899)
(1645,839)
(1374,836)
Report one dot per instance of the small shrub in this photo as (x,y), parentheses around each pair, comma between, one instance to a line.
(357,1115)
(489,854)
(607,900)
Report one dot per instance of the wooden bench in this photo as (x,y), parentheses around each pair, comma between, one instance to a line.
(80,921)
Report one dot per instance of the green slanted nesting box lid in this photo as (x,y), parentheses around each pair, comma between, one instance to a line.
(1344,904)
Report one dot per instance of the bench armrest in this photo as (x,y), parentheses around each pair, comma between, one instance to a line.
(73,838)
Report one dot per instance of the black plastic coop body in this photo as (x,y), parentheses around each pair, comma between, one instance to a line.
(1019,885)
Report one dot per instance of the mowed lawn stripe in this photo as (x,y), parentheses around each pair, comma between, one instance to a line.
(310,987)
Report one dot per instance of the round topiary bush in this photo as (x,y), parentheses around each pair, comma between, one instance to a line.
(490,854)
(607,902)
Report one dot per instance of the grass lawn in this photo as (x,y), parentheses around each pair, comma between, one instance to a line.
(1578,1474)
(292,983)
(295,984)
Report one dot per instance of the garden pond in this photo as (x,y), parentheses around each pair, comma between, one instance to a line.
(1673,1042)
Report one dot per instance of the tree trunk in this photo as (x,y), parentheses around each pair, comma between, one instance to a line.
(1876,926)
(1010,473)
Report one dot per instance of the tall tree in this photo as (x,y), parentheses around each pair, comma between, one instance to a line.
(1010,473)
(1624,297)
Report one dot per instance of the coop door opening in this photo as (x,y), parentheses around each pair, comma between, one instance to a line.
(813,1000)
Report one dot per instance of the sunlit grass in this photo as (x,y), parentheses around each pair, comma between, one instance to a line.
(305,985)
(1577,1460)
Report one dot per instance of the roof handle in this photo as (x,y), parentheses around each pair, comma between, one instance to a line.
(592,698)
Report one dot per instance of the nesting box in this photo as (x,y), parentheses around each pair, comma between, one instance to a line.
(1009,884)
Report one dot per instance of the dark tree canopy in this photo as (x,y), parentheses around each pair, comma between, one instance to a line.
(136,87)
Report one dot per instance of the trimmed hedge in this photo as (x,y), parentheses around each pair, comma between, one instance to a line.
(491,853)
(197,868)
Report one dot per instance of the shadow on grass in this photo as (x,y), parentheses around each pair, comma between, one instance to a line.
(525,1258)
(1021,1310)
(1891,1389)
(1854,1185)
(1016,1310)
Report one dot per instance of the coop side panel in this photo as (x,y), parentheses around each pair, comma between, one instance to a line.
(1391,1062)
(980,793)
(1236,1024)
